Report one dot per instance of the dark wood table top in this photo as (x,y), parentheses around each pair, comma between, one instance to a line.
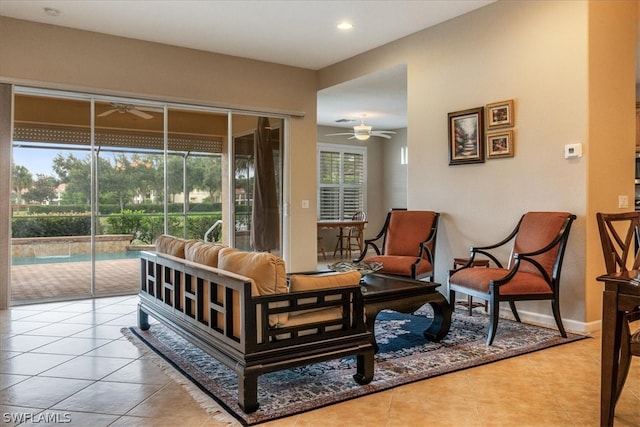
(376,286)
(626,281)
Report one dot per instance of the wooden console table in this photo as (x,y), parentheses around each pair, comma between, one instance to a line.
(621,294)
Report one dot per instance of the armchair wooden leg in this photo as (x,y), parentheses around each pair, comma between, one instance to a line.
(494,311)
(555,307)
(512,304)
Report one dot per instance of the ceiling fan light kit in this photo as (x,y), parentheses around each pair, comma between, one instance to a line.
(362,132)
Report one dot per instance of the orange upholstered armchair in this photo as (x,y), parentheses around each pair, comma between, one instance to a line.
(406,244)
(532,273)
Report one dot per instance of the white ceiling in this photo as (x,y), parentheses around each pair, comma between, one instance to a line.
(300,33)
(381,96)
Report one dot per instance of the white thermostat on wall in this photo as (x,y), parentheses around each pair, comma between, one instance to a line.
(572,151)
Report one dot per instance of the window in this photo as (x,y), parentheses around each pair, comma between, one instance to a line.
(342,174)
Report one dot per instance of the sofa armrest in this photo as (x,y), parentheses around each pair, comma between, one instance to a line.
(312,316)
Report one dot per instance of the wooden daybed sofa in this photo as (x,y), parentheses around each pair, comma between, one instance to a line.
(243,309)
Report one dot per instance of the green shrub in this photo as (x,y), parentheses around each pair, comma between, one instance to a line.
(198,225)
(51,226)
(127,222)
(49,209)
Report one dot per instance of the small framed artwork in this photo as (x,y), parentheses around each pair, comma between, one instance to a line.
(500,114)
(466,136)
(500,144)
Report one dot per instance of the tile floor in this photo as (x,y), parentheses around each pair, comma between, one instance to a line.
(68,363)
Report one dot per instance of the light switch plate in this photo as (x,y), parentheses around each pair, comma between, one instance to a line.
(623,201)
(573,151)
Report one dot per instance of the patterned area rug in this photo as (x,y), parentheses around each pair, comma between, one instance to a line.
(405,356)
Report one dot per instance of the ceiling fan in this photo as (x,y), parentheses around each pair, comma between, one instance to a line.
(129,108)
(362,132)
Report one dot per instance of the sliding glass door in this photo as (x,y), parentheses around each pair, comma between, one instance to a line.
(96,180)
(128,145)
(51,198)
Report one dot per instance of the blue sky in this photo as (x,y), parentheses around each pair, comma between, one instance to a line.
(36,160)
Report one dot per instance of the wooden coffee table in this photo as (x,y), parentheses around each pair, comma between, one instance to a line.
(405,295)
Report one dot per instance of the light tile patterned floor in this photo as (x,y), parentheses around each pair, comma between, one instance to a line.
(69,362)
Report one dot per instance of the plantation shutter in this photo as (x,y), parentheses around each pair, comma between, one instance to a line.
(342,177)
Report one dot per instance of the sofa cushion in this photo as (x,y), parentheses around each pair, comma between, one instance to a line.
(203,252)
(308,282)
(401,265)
(479,279)
(265,269)
(308,317)
(312,282)
(171,245)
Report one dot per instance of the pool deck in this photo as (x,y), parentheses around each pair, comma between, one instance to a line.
(73,279)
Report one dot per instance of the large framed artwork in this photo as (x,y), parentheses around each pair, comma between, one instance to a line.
(466,136)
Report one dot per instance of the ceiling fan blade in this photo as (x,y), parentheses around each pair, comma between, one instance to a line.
(336,134)
(106,113)
(382,133)
(151,109)
(140,114)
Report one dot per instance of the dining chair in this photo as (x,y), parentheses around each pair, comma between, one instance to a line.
(620,239)
(350,238)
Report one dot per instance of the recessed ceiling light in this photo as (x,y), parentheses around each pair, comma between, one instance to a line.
(345,26)
(51,11)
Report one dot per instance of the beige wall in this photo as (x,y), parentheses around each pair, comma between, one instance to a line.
(394,174)
(611,112)
(542,55)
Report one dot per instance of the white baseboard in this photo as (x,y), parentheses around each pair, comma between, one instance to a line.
(548,321)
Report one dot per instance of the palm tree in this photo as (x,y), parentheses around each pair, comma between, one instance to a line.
(21,180)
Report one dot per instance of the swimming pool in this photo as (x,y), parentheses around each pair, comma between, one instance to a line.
(55,259)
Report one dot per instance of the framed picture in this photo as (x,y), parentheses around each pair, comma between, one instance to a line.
(500,144)
(500,114)
(466,136)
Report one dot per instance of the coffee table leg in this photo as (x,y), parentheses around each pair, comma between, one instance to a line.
(370,320)
(441,323)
